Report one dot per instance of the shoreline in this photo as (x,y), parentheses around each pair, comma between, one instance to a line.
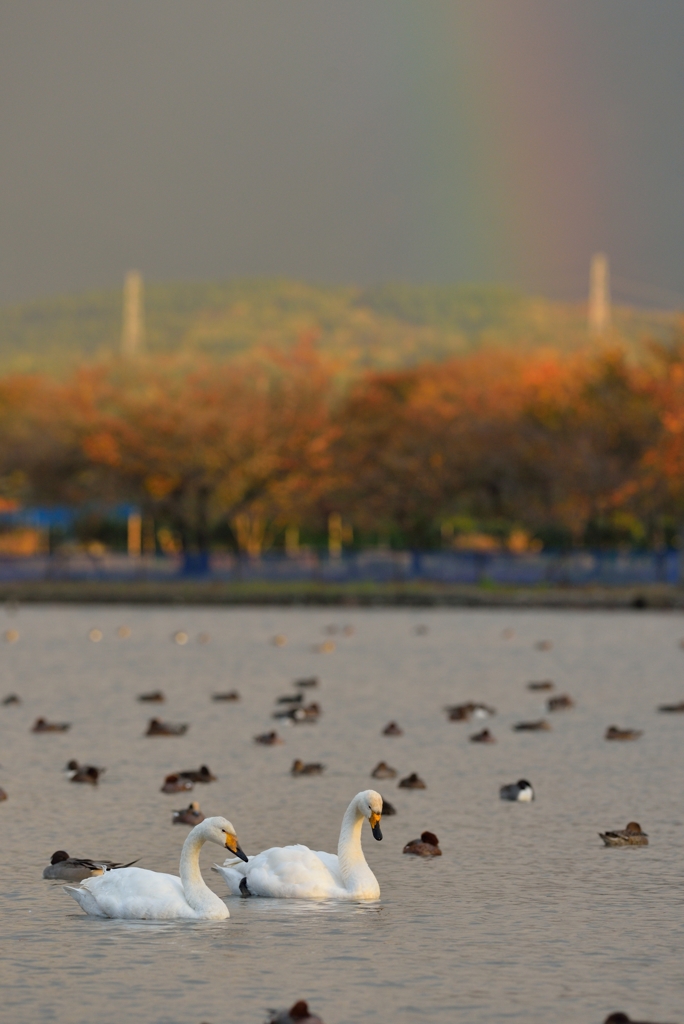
(360,595)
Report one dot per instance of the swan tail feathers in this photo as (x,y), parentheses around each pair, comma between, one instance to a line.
(85,900)
(231,877)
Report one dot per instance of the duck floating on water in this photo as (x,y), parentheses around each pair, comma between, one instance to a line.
(300,768)
(297,1014)
(613,733)
(412,781)
(88,774)
(543,684)
(540,725)
(392,729)
(156,727)
(308,682)
(152,697)
(74,869)
(11,698)
(560,703)
(228,695)
(484,736)
(383,771)
(42,725)
(471,709)
(269,739)
(630,835)
(388,809)
(175,784)
(521,791)
(290,698)
(203,774)
(309,713)
(190,815)
(671,708)
(426,846)
(74,766)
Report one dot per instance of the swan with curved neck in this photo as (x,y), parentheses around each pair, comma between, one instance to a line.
(296,872)
(151,895)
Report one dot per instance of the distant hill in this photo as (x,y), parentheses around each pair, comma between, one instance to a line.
(387,326)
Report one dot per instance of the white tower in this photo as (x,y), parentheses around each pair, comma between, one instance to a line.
(133,331)
(599,295)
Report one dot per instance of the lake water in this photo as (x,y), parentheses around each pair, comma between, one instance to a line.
(526,916)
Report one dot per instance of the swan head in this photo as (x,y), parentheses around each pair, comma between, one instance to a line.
(220,831)
(370,805)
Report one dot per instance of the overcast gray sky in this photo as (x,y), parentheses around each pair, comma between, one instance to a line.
(340,141)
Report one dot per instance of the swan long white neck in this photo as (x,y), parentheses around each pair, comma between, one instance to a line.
(354,869)
(197,892)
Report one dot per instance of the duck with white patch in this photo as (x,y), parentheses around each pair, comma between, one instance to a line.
(521,791)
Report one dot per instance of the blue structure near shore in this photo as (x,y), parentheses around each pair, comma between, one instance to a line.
(577,568)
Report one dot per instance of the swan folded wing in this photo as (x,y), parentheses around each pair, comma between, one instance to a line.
(133,893)
(332,863)
(293,872)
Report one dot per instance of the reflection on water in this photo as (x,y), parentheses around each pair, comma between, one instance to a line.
(526,917)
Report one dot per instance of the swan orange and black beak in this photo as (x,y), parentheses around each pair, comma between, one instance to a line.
(375,826)
(234,847)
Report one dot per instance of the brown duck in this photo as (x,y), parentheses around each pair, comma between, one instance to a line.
(42,725)
(630,835)
(269,739)
(191,815)
(426,846)
(88,774)
(297,1014)
(560,703)
(312,768)
(175,784)
(412,781)
(484,736)
(203,774)
(156,727)
(613,733)
(383,771)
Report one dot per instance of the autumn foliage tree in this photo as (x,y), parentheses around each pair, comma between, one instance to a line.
(573,443)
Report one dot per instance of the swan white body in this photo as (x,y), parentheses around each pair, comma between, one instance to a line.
(154,896)
(296,872)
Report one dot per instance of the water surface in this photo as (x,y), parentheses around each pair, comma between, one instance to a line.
(526,917)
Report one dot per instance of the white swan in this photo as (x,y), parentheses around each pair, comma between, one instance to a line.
(151,895)
(296,872)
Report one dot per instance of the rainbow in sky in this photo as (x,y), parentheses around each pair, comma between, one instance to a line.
(506,127)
